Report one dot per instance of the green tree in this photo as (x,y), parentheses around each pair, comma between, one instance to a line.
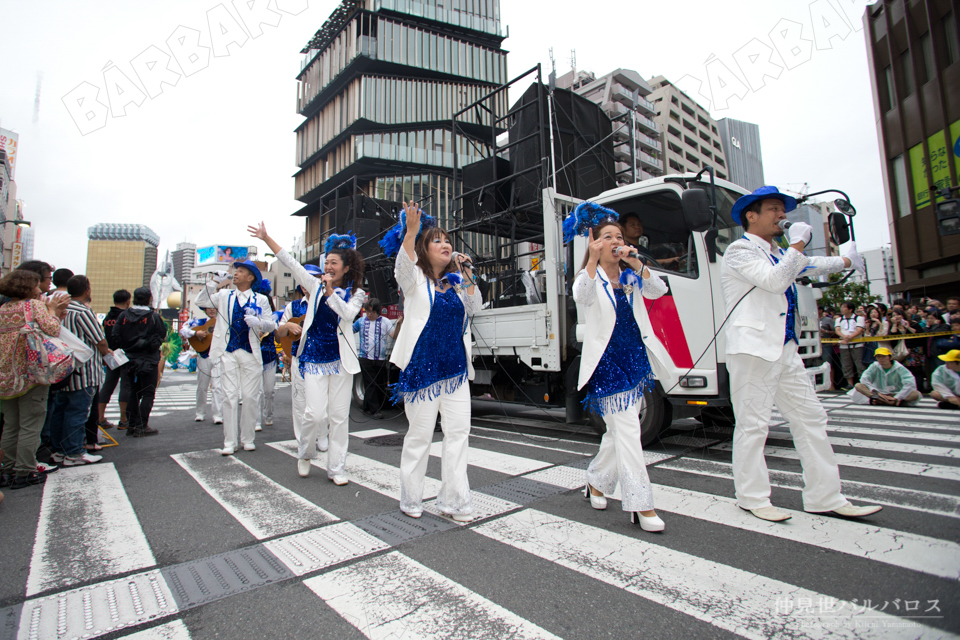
(856,292)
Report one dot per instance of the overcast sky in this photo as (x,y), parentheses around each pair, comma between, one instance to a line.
(204,158)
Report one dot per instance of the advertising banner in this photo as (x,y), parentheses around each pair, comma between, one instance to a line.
(220,253)
(16,255)
(8,143)
(937,166)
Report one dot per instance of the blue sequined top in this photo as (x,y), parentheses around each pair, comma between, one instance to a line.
(239,331)
(321,352)
(791,293)
(438,364)
(297,309)
(268,345)
(624,372)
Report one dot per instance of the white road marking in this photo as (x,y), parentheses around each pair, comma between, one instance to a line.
(87,530)
(866,462)
(501,462)
(264,507)
(731,599)
(936,503)
(836,430)
(392,596)
(372,433)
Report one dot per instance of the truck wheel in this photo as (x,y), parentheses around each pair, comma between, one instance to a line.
(656,414)
(358,390)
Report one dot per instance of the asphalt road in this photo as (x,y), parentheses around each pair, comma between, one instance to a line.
(167,539)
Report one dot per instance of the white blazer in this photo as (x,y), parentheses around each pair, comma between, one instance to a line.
(347,311)
(597,305)
(223,300)
(417,293)
(757,325)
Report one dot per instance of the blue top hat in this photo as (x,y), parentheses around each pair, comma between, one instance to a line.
(763,193)
(252,268)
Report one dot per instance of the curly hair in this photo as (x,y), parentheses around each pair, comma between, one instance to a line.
(353,259)
(20,284)
(426,237)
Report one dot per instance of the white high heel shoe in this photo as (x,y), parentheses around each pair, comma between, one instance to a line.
(647,523)
(597,502)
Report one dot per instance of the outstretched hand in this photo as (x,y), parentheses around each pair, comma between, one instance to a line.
(595,247)
(258,231)
(413,212)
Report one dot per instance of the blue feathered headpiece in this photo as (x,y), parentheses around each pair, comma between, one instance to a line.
(345,241)
(265,287)
(393,238)
(586,216)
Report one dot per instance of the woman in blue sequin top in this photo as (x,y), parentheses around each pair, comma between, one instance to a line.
(615,368)
(326,358)
(433,353)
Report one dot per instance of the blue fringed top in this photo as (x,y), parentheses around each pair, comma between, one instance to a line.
(321,350)
(438,364)
(239,331)
(624,372)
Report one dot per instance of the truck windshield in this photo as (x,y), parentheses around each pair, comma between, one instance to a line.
(728,231)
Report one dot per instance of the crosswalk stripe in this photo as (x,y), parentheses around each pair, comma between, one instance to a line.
(263,507)
(842,422)
(899,447)
(87,530)
(861,418)
(372,433)
(938,415)
(392,596)
(175,630)
(737,601)
(502,462)
(883,433)
(533,446)
(865,462)
(366,472)
(936,503)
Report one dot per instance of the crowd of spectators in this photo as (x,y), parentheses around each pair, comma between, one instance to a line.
(918,351)
(47,426)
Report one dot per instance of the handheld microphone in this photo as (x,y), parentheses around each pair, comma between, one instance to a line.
(784,224)
(468,263)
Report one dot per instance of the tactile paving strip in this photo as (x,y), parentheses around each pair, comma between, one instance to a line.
(99,609)
(313,550)
(521,490)
(566,477)
(688,441)
(484,506)
(396,528)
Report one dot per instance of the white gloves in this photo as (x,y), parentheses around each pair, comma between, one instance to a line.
(253,322)
(220,276)
(800,232)
(856,260)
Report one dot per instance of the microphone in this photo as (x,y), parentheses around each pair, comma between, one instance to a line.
(784,224)
(457,254)
(636,256)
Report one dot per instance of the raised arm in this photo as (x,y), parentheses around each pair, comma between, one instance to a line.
(300,275)
(412,212)
(749,264)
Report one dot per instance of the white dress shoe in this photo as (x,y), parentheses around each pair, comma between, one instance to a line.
(268,423)
(339,480)
(772,514)
(250,447)
(303,467)
(258,428)
(227,451)
(198,419)
(850,511)
(412,514)
(462,518)
(323,443)
(597,502)
(647,523)
(218,421)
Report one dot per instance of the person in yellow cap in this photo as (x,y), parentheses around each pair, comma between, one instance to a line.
(886,382)
(946,381)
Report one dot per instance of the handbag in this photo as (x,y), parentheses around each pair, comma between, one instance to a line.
(49,360)
(900,351)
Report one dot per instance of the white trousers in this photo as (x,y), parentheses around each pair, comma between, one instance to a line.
(265,414)
(298,397)
(208,373)
(242,373)
(620,459)
(755,385)
(327,398)
(454,498)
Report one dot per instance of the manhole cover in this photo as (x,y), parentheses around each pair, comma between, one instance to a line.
(393,440)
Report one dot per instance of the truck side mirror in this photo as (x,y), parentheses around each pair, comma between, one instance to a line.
(696,210)
(839,228)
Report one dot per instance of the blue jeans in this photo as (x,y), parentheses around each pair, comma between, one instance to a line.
(69,419)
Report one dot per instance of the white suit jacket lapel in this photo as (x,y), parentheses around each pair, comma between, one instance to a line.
(606,287)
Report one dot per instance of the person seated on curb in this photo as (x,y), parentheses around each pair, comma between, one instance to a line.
(886,382)
(946,381)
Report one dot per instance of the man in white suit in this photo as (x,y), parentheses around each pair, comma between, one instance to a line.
(765,367)
(244,316)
